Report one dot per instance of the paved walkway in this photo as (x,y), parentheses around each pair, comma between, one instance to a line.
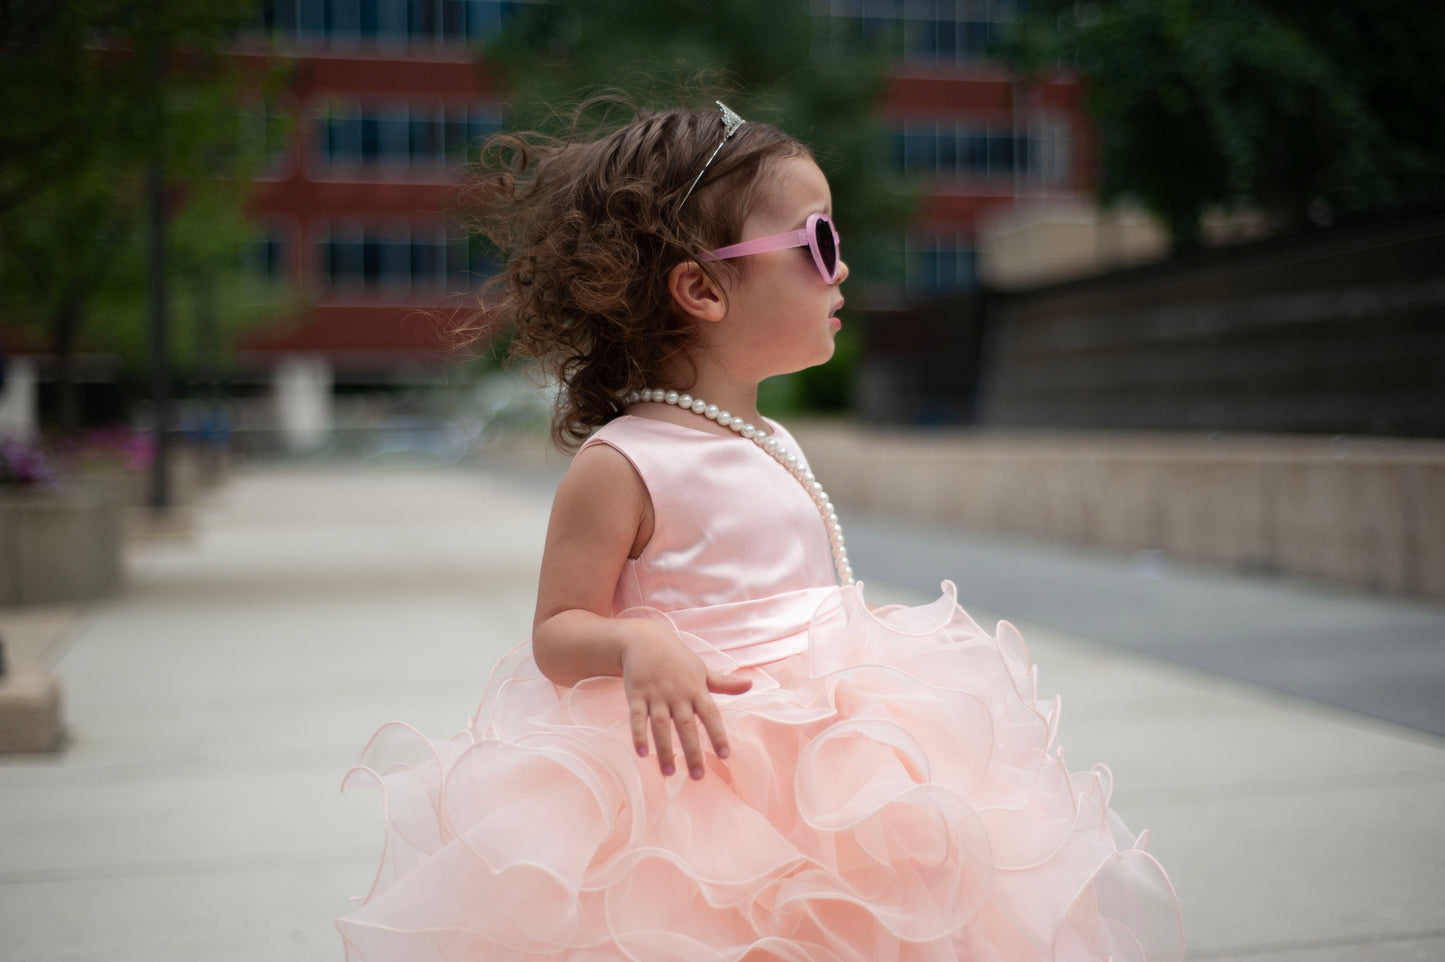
(214,706)
(1379,656)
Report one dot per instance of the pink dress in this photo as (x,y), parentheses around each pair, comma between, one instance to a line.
(894,792)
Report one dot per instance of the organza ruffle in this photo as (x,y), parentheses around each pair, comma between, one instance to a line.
(895,792)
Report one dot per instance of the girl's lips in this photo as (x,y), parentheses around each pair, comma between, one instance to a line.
(835,324)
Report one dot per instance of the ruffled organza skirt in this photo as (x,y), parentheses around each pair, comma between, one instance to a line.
(895,792)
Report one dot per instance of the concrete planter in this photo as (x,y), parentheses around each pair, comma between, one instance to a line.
(59,545)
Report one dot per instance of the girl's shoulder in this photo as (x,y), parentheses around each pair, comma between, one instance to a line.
(783,435)
(666,452)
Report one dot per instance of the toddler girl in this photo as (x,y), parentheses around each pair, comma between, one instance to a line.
(855,784)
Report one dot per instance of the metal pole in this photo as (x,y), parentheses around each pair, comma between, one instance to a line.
(159,361)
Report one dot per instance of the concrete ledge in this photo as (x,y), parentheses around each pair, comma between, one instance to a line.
(1363,512)
(30,719)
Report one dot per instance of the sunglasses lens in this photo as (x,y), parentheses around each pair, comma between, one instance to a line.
(827,249)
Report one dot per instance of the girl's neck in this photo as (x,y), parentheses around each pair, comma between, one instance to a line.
(739,398)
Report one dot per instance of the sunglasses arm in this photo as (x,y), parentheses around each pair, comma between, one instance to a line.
(762,245)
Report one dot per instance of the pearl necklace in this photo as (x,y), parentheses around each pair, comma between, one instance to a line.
(770,445)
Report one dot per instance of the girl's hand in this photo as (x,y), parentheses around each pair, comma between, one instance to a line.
(669,684)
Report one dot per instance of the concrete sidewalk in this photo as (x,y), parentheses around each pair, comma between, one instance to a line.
(214,706)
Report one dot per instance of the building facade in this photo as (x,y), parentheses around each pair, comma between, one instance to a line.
(388,96)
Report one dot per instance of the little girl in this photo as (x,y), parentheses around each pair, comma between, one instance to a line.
(856,783)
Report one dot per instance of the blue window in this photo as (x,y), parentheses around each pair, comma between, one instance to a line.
(268,254)
(403,137)
(389,21)
(939,263)
(915,31)
(400,259)
(945,150)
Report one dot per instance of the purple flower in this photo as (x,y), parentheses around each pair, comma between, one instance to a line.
(25,464)
(108,448)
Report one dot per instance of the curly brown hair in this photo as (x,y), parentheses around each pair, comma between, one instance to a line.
(592,227)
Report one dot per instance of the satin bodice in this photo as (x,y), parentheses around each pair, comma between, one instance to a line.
(739,556)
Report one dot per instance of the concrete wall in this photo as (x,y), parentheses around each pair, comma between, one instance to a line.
(1337,331)
(1362,512)
(1332,331)
(1046,241)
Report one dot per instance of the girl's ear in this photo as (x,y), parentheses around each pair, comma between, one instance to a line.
(696,293)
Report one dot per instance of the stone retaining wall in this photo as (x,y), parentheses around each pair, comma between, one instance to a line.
(1362,512)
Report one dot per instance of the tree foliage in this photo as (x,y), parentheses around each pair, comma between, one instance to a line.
(1298,109)
(92,93)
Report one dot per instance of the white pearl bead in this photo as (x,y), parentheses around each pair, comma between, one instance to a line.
(684,400)
(658,394)
(724,418)
(738,424)
(711,412)
(670,397)
(771,445)
(792,460)
(698,405)
(749,431)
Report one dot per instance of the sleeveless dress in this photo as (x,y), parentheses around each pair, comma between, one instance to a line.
(894,789)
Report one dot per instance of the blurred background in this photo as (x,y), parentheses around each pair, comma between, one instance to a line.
(232,231)
(1144,346)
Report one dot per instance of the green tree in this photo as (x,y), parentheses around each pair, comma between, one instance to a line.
(92,92)
(1300,110)
(770,60)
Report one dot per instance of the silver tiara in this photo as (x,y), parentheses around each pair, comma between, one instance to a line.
(732,122)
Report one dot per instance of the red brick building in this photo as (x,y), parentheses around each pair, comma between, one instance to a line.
(387,96)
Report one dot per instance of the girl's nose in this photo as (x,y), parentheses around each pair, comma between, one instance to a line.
(842,271)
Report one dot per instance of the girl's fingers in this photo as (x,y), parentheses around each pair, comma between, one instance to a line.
(686,723)
(639,727)
(662,738)
(712,723)
(727,684)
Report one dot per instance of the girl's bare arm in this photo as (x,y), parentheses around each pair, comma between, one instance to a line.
(601,515)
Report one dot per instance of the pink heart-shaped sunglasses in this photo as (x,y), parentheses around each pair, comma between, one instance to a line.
(818,235)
